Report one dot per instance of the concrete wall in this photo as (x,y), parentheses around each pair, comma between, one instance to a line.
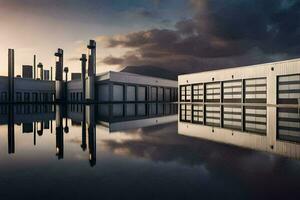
(74,90)
(126,87)
(268,141)
(29,90)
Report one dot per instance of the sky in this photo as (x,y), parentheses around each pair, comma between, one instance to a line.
(178,35)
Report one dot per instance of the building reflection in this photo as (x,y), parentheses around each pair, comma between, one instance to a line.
(35,119)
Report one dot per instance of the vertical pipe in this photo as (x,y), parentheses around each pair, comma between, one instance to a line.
(11,74)
(51,71)
(90,92)
(34,67)
(59,75)
(83,74)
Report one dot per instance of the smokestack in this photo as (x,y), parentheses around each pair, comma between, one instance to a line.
(11,74)
(90,93)
(34,67)
(59,75)
(92,58)
(83,73)
(51,71)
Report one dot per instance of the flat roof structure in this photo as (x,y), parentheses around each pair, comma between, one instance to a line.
(126,87)
(253,106)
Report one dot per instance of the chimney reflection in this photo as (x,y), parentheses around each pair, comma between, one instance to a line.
(83,128)
(11,130)
(34,133)
(59,133)
(40,129)
(90,114)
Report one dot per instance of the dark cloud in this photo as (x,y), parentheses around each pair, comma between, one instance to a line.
(221,33)
(110,60)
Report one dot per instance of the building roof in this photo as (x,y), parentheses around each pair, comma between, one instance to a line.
(246,66)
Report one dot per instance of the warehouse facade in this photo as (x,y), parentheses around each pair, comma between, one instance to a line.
(121,87)
(28,90)
(254,106)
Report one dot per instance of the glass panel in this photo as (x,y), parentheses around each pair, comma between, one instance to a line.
(289,124)
(256,119)
(256,90)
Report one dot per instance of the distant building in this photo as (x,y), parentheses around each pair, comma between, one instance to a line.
(27,71)
(46,75)
(75,76)
(254,106)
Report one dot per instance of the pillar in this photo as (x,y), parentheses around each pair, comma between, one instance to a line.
(34,67)
(59,75)
(66,70)
(11,74)
(51,71)
(90,85)
(83,74)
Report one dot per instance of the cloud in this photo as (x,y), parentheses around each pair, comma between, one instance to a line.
(110,60)
(221,34)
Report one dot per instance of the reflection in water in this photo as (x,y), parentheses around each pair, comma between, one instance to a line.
(11,130)
(152,162)
(59,133)
(90,113)
(36,119)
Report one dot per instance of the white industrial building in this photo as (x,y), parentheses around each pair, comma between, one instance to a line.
(126,87)
(254,106)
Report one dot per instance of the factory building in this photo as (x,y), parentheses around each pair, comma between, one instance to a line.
(254,106)
(121,87)
(85,87)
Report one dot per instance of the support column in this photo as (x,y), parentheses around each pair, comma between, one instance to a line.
(51,73)
(34,67)
(59,75)
(66,70)
(83,74)
(11,74)
(90,85)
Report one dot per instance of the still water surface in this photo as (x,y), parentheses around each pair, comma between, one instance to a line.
(61,153)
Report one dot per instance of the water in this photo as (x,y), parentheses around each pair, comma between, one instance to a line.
(69,159)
